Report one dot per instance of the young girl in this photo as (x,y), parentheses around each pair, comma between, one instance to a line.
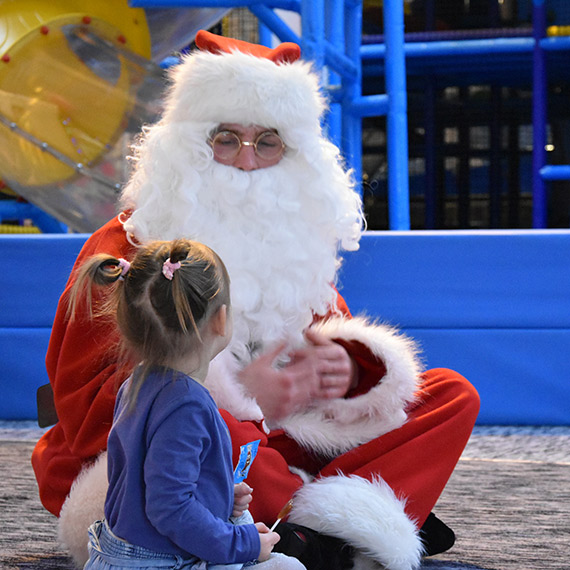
(171,492)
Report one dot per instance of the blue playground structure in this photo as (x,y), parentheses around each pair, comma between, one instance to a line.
(330,35)
(492,304)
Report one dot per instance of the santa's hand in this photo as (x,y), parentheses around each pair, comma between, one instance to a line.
(336,370)
(281,392)
(242,498)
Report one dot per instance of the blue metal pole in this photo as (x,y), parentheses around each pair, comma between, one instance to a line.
(265,35)
(270,19)
(369,106)
(334,34)
(539,102)
(313,31)
(338,62)
(555,44)
(352,124)
(397,120)
(457,48)
(555,172)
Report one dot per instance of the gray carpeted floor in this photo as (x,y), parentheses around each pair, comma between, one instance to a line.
(508,502)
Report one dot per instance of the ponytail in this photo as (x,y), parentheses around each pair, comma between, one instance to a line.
(101,269)
(184,291)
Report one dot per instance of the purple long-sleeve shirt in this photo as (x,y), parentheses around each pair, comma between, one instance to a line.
(170,473)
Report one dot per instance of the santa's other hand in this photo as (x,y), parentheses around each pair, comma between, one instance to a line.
(281,392)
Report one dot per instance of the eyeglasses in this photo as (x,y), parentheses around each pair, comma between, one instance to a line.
(227,145)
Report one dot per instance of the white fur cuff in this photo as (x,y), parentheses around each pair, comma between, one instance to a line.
(365,514)
(335,426)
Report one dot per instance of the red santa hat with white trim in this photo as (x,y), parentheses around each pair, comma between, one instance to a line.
(232,81)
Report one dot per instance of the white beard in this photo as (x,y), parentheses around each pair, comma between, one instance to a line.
(277,230)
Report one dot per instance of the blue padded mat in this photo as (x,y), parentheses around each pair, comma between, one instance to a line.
(493,305)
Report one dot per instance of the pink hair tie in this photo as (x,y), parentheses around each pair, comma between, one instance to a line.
(125,266)
(169,268)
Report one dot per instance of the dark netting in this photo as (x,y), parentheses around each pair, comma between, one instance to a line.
(241,24)
(470,118)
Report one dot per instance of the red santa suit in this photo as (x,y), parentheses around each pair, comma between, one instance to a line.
(367,468)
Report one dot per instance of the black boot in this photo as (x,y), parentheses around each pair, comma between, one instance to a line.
(316,551)
(436,536)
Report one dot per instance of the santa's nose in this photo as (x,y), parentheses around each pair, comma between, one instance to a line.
(246,159)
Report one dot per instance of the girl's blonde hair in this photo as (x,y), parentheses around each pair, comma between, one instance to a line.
(159,316)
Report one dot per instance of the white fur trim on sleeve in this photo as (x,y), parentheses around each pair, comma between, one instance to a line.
(335,426)
(366,514)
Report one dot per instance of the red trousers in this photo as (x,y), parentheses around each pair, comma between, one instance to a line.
(416,460)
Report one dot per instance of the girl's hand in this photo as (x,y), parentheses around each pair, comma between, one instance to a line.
(267,539)
(242,498)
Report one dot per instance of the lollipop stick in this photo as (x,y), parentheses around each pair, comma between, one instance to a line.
(282,514)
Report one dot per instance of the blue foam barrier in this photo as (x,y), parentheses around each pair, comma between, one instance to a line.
(493,305)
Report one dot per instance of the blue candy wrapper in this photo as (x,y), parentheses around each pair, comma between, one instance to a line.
(247,454)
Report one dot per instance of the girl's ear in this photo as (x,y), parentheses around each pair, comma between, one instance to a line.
(219,321)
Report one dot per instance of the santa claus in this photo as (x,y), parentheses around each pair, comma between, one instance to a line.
(349,425)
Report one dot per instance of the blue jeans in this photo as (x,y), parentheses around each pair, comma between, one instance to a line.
(109,552)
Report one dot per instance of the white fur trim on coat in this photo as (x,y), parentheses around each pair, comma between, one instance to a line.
(366,514)
(335,426)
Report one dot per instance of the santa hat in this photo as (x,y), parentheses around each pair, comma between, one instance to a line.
(286,52)
(232,81)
